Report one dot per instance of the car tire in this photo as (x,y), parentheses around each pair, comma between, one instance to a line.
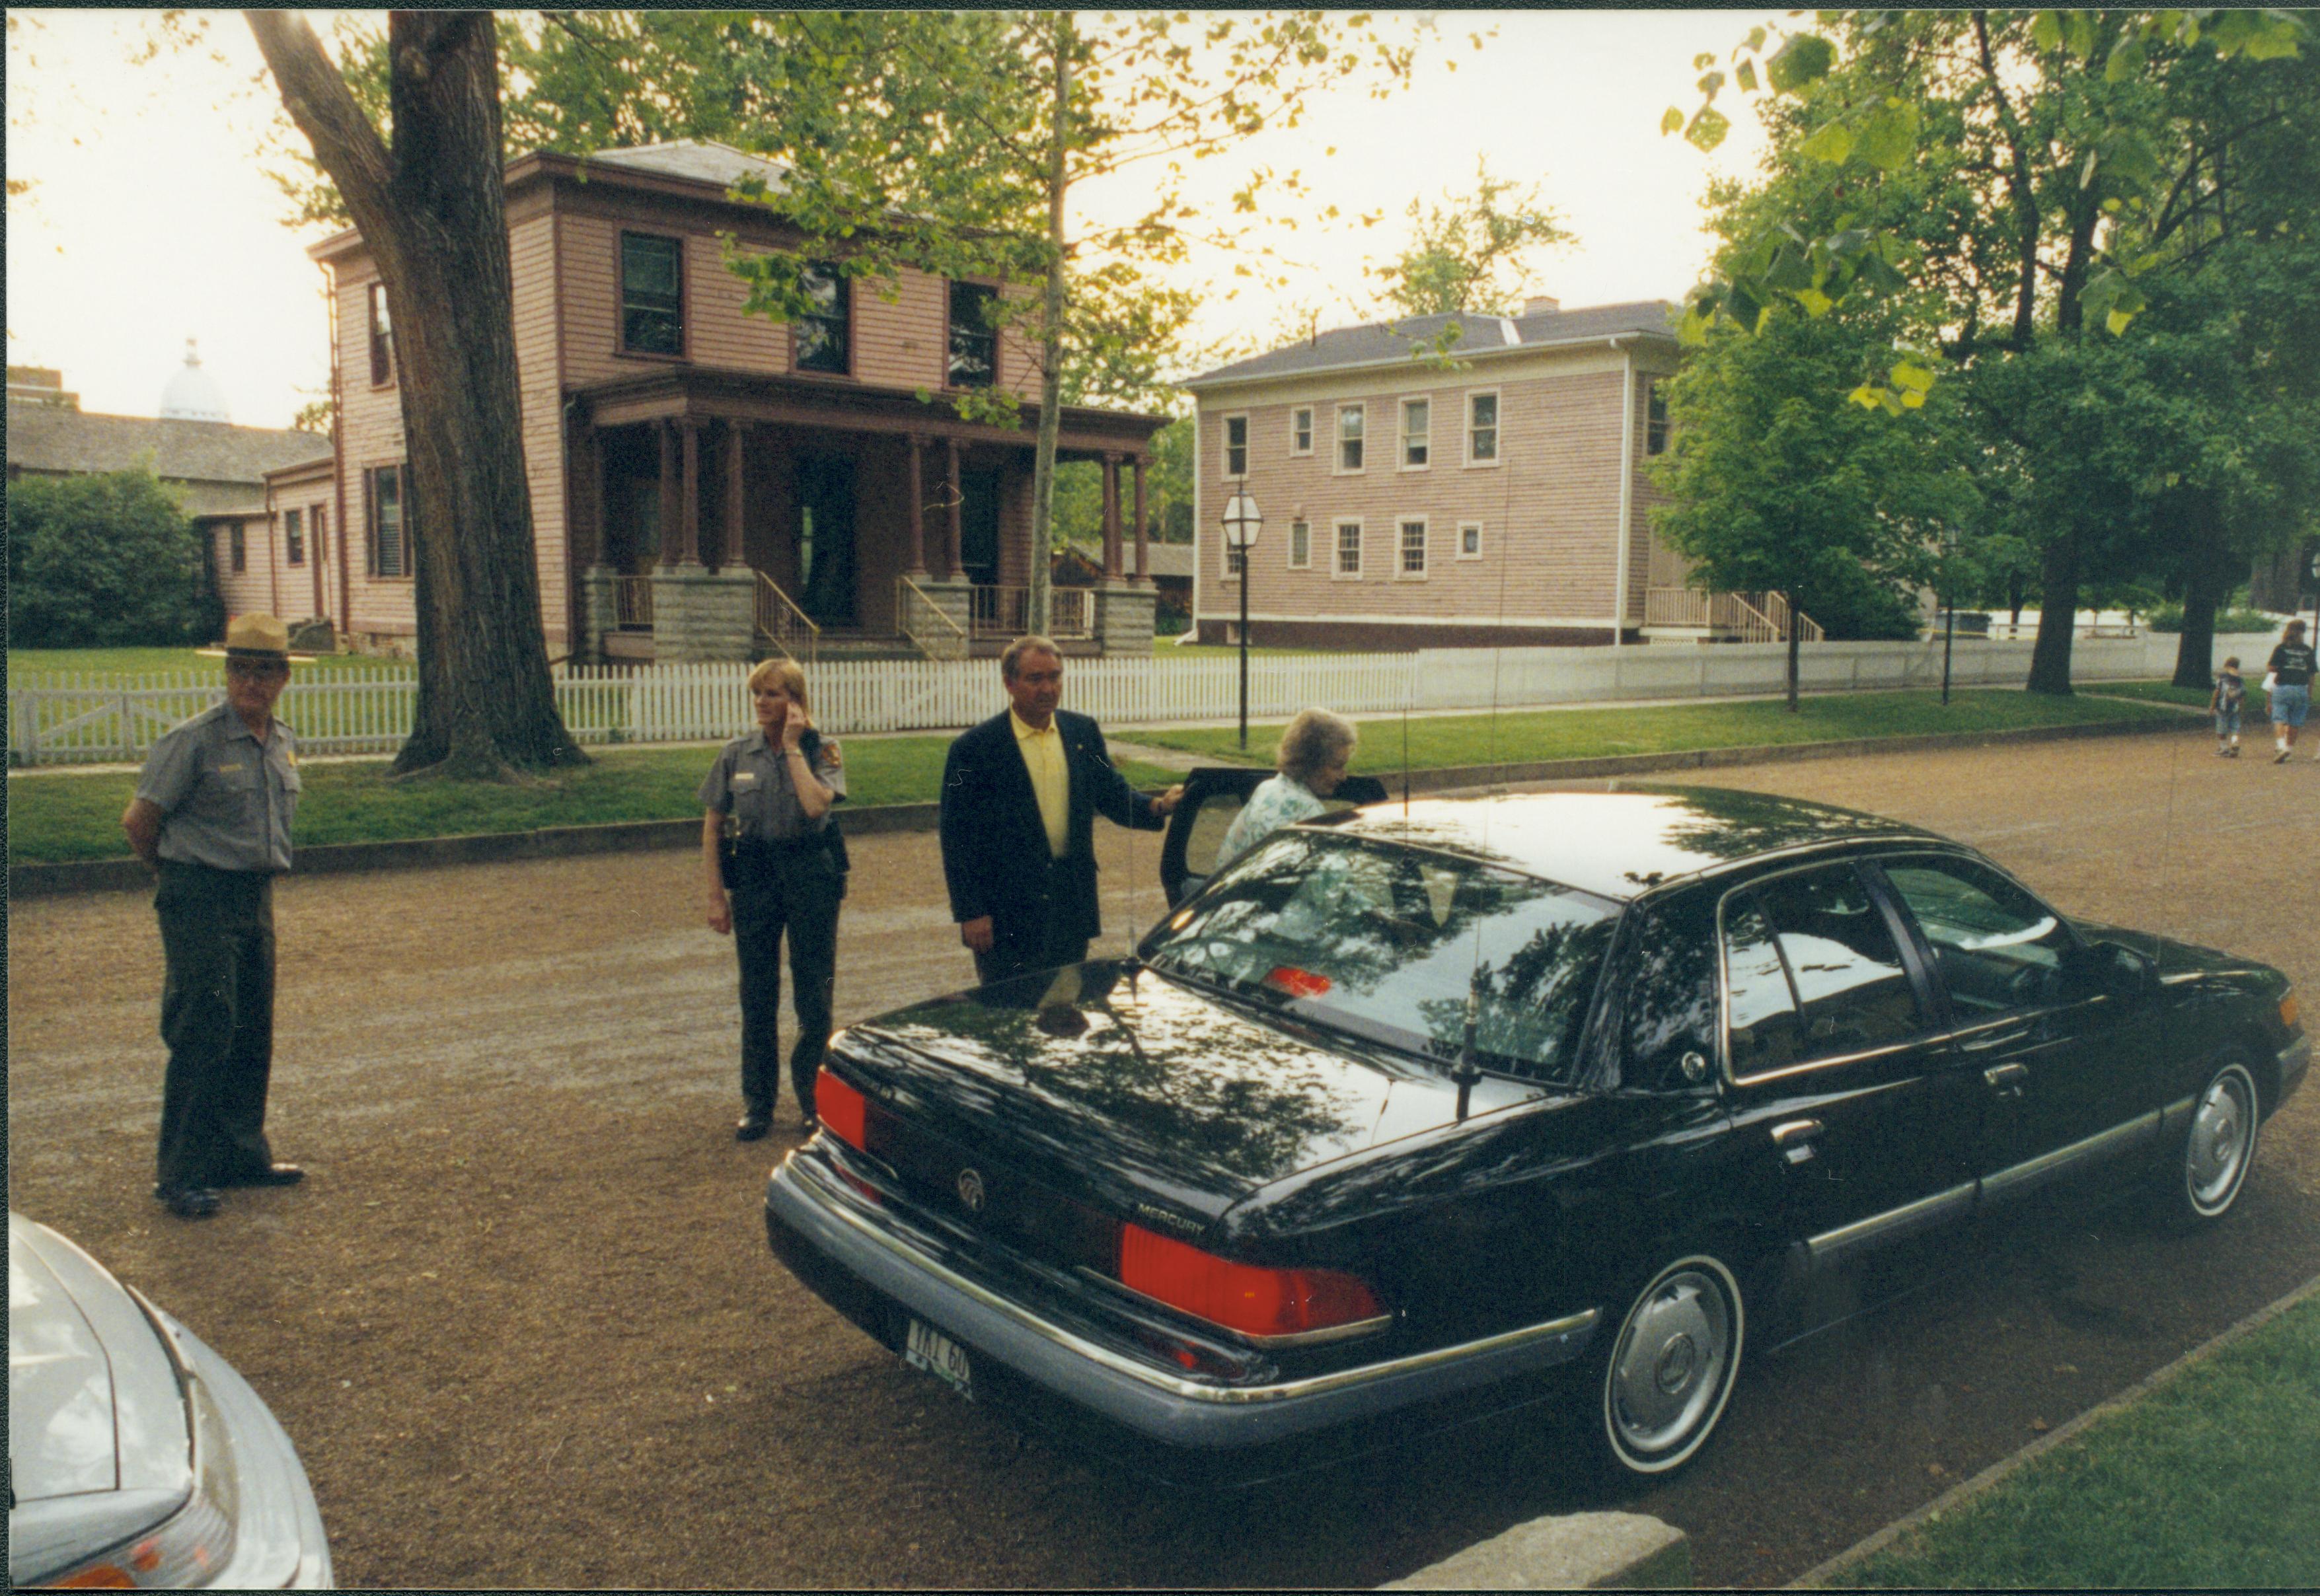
(1667,1371)
(2204,1174)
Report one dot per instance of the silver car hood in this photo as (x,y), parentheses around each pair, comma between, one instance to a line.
(94,1404)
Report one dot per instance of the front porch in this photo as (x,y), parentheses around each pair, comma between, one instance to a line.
(724,515)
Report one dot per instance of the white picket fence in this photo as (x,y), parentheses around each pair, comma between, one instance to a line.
(64,719)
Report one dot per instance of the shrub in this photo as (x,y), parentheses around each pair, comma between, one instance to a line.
(105,561)
(2169,617)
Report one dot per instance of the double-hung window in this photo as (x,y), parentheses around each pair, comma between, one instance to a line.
(1300,545)
(1413,547)
(382,338)
(1481,428)
(385,491)
(1416,422)
(652,294)
(1655,416)
(1470,540)
(294,536)
(1349,549)
(236,542)
(1235,560)
(1235,446)
(824,334)
(1301,430)
(1350,420)
(974,340)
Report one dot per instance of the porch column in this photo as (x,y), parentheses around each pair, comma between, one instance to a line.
(584,496)
(670,502)
(1111,516)
(954,533)
(689,526)
(736,549)
(916,565)
(1143,551)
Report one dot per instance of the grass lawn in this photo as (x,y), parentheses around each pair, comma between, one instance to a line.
(147,662)
(2156,693)
(54,818)
(2211,1480)
(1439,741)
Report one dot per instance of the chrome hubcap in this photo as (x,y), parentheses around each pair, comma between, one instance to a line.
(1668,1372)
(2221,1132)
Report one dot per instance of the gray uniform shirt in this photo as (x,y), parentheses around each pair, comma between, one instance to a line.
(226,800)
(751,782)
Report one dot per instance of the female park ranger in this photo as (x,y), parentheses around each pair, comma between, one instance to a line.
(772,862)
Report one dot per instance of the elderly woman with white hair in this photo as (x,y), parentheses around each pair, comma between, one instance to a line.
(1311,759)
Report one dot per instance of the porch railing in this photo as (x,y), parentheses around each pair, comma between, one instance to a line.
(632,606)
(1760,618)
(927,623)
(784,625)
(996,610)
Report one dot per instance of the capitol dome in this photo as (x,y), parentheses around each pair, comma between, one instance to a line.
(192,394)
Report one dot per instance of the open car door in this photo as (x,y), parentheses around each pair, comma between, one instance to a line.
(1212,800)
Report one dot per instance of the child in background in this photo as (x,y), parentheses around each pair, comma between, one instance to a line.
(2224,703)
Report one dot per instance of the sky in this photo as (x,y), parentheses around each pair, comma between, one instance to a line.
(151,219)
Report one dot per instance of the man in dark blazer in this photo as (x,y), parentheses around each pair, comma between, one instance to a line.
(1020,797)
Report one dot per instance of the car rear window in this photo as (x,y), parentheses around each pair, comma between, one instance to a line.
(1394,943)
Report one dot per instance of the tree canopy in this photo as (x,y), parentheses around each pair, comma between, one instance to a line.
(100,562)
(2011,200)
(1471,250)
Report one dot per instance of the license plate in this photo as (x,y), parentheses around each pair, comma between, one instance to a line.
(927,1348)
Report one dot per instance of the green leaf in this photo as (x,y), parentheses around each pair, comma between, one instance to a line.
(1671,121)
(1804,58)
(2127,61)
(1709,82)
(1908,375)
(1912,398)
(1867,397)
(1708,128)
(1745,75)
(1831,142)
(1816,304)
(2274,40)
(1756,40)
(2046,32)
(2118,320)
(1889,137)
(2078,29)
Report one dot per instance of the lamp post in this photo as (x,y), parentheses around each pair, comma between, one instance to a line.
(1949,605)
(1242,523)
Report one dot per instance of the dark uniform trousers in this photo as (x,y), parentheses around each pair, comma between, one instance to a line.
(793,889)
(217,1017)
(1019,947)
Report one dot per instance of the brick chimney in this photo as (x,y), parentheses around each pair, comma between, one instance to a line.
(1541,304)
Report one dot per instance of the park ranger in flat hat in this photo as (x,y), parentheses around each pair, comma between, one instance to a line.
(212,816)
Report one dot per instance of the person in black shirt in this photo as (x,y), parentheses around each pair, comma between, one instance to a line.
(2291,667)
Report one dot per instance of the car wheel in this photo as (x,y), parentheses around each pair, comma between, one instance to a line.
(1671,1366)
(2205,1177)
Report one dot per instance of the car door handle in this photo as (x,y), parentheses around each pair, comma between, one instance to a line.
(2006,1079)
(1794,1139)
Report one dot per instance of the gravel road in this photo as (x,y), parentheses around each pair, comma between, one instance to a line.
(521,1320)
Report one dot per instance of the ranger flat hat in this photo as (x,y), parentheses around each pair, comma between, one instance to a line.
(255,636)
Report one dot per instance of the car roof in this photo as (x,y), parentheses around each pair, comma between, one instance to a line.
(1622,844)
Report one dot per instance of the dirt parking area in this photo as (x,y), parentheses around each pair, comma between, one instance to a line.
(522,1323)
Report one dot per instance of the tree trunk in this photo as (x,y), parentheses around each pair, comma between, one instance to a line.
(2206,573)
(1794,611)
(2058,610)
(431,212)
(1051,343)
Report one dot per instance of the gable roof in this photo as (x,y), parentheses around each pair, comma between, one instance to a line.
(1398,342)
(49,438)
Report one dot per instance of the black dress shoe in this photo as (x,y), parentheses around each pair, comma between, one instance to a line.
(751,1127)
(188,1202)
(269,1175)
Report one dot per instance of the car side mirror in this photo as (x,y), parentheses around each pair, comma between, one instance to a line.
(2111,969)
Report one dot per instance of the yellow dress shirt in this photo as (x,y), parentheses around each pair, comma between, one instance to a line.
(1051,778)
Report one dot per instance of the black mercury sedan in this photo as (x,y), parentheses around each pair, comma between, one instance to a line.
(1428,1110)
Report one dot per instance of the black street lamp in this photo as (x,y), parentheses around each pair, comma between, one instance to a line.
(1242,523)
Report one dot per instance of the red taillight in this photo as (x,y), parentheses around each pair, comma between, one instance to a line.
(1254,1301)
(842,1110)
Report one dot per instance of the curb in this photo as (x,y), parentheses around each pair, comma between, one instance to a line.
(1606,1551)
(562,842)
(1826,1573)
